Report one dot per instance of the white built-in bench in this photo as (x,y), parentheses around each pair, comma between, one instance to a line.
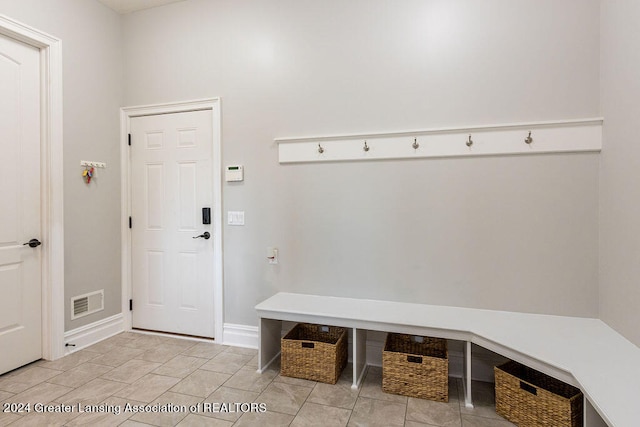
(584,352)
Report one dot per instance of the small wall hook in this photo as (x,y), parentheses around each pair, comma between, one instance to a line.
(528,139)
(366,147)
(320,149)
(469,142)
(415,144)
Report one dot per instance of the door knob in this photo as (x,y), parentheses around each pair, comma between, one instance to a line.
(33,243)
(204,235)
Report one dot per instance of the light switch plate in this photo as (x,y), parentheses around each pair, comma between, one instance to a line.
(235,217)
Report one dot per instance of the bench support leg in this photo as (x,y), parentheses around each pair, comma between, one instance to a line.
(359,356)
(269,335)
(466,376)
(591,416)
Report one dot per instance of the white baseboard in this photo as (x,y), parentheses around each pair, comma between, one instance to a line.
(87,335)
(240,335)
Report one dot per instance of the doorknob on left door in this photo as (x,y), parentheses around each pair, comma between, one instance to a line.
(204,235)
(33,243)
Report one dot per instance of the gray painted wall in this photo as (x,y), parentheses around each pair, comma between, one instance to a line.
(512,233)
(92,94)
(620,163)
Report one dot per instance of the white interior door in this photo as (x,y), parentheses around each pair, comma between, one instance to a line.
(171,182)
(20,265)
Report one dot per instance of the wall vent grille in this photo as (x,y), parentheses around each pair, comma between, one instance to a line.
(83,305)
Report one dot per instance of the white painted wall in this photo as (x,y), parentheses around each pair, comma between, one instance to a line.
(502,233)
(620,163)
(92,93)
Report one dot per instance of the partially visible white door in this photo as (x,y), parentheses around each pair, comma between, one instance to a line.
(171,182)
(20,265)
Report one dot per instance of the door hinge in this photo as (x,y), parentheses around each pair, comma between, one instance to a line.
(130,223)
(130,305)
(129,139)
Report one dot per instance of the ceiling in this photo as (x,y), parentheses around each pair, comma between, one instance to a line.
(126,6)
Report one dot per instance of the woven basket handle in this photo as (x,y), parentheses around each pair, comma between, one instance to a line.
(414,359)
(308,345)
(528,388)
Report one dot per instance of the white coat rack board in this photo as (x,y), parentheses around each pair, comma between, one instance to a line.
(566,136)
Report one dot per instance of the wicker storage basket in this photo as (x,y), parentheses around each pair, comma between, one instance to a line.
(530,398)
(416,366)
(314,352)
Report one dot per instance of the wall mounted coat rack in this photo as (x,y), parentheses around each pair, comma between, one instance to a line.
(565,136)
(89,164)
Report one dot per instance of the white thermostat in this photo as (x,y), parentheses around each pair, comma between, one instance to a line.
(234,173)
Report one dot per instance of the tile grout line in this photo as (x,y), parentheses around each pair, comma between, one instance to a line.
(143,347)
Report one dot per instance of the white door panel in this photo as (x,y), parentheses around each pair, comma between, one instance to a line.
(20,266)
(171,181)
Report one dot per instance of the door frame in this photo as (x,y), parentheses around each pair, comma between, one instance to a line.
(126,114)
(51,180)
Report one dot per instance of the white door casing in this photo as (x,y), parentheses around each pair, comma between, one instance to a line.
(20,275)
(172,171)
(50,167)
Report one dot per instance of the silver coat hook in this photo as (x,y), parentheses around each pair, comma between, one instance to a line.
(528,139)
(415,144)
(469,142)
(366,147)
(320,149)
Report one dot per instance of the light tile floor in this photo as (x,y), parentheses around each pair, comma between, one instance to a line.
(140,370)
